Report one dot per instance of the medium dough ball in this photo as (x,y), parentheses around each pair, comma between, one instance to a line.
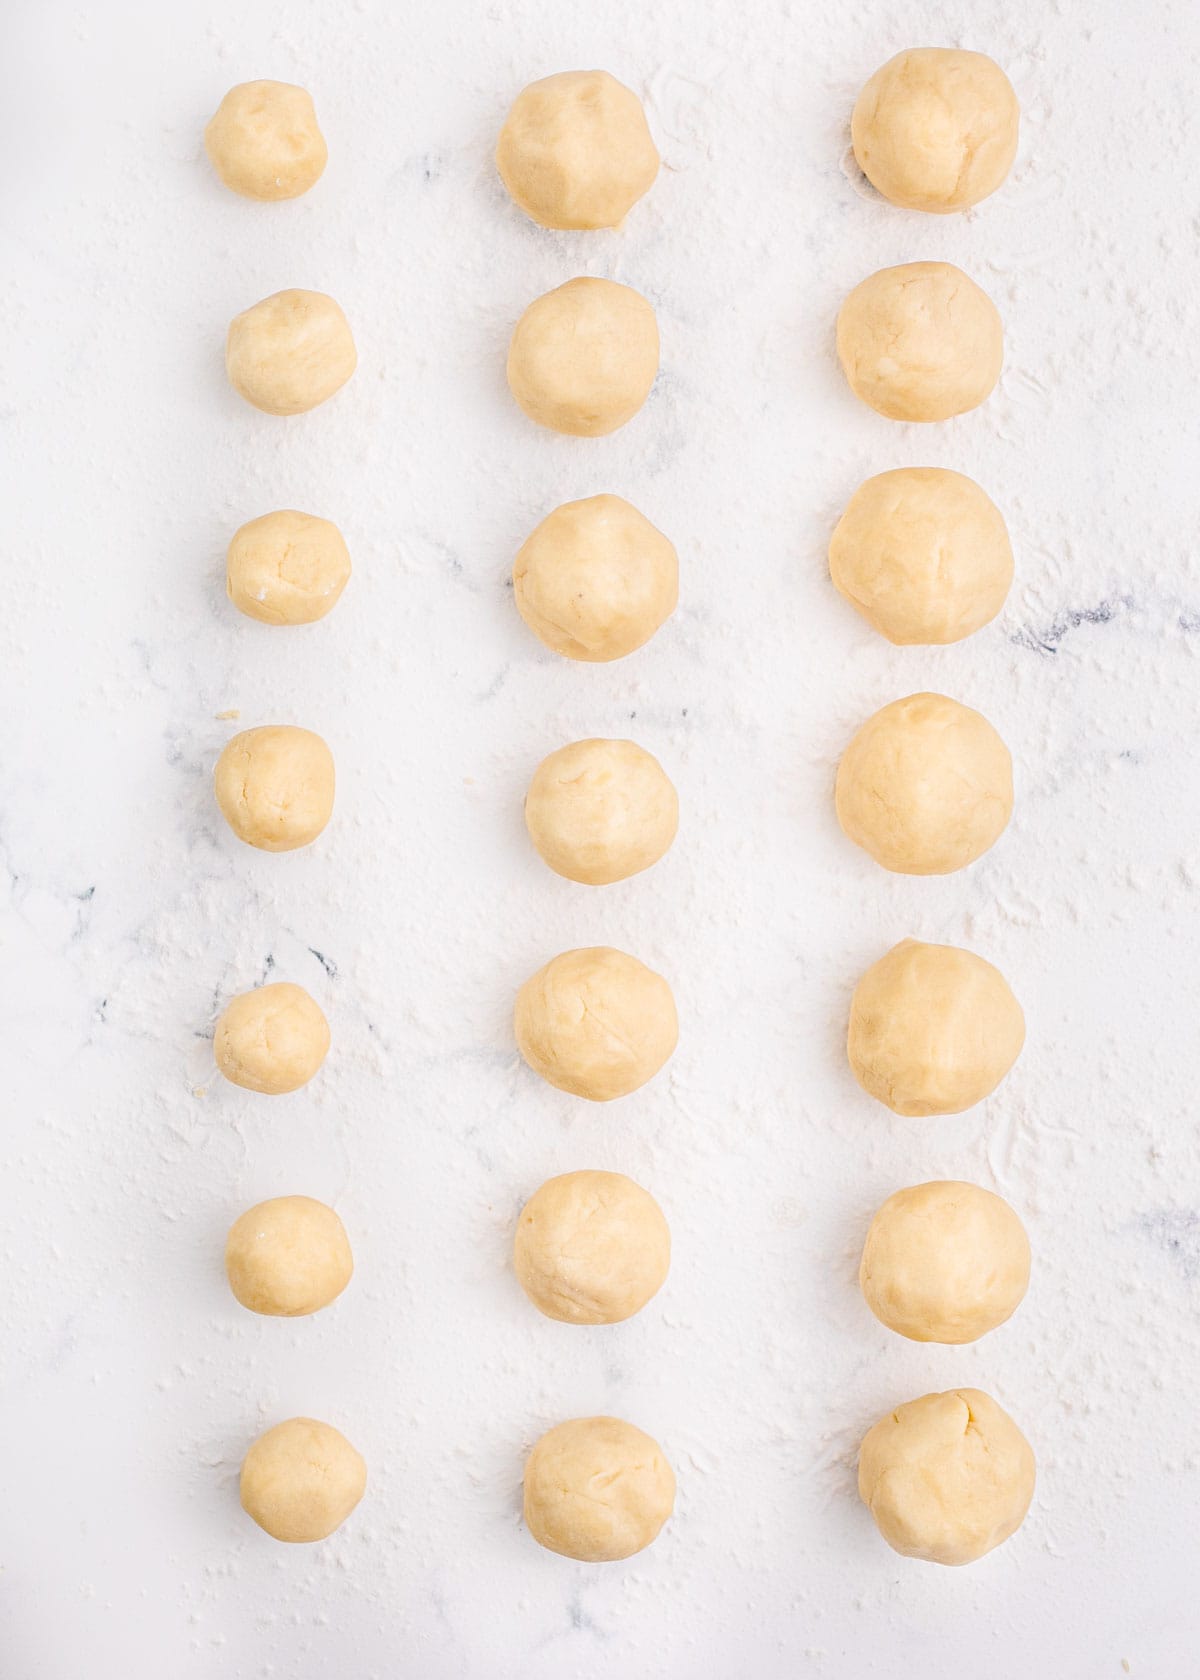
(275,786)
(272,1039)
(923,554)
(288,1257)
(301,1480)
(933,1029)
(583,357)
(264,141)
(596,1023)
(287,568)
(946,1477)
(597,1489)
(290,352)
(600,811)
(925,786)
(596,579)
(591,1248)
(936,128)
(920,342)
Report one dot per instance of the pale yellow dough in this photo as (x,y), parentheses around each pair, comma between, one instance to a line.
(591,1248)
(264,141)
(596,1023)
(301,1480)
(272,1039)
(288,1257)
(290,352)
(583,357)
(287,568)
(274,785)
(597,1489)
(600,811)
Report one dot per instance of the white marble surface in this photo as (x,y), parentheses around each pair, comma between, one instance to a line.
(131,1382)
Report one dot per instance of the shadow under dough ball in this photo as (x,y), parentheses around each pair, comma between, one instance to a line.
(290,352)
(583,357)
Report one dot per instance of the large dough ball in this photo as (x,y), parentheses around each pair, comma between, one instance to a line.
(583,357)
(946,1477)
(264,141)
(290,352)
(597,1489)
(920,342)
(599,811)
(936,128)
(596,1023)
(923,554)
(275,786)
(596,579)
(925,786)
(944,1262)
(933,1029)
(591,1248)
(575,151)
(272,1039)
(288,1257)
(287,567)
(301,1480)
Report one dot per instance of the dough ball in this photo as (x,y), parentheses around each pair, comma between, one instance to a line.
(596,579)
(923,554)
(936,128)
(275,786)
(600,811)
(288,1257)
(264,141)
(290,352)
(591,1248)
(925,786)
(933,1029)
(920,342)
(575,150)
(596,1023)
(272,1039)
(946,1477)
(287,568)
(944,1262)
(583,357)
(597,1489)
(301,1480)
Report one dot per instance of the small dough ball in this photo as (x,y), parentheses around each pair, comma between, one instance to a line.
(275,786)
(591,1248)
(923,554)
(596,579)
(301,1480)
(264,141)
(596,1023)
(946,1477)
(597,1489)
(287,568)
(600,811)
(920,342)
(290,352)
(272,1039)
(944,1262)
(575,150)
(925,786)
(288,1257)
(584,356)
(936,128)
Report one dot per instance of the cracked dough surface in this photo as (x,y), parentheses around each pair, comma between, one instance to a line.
(599,811)
(596,1022)
(597,1489)
(264,141)
(287,567)
(591,1248)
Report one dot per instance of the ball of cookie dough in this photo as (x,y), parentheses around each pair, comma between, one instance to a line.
(575,150)
(287,568)
(583,357)
(920,342)
(301,1480)
(272,1039)
(944,1262)
(923,554)
(596,579)
(290,352)
(946,1477)
(264,141)
(591,1248)
(597,1489)
(288,1257)
(925,786)
(933,1029)
(274,785)
(600,811)
(936,128)
(596,1023)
